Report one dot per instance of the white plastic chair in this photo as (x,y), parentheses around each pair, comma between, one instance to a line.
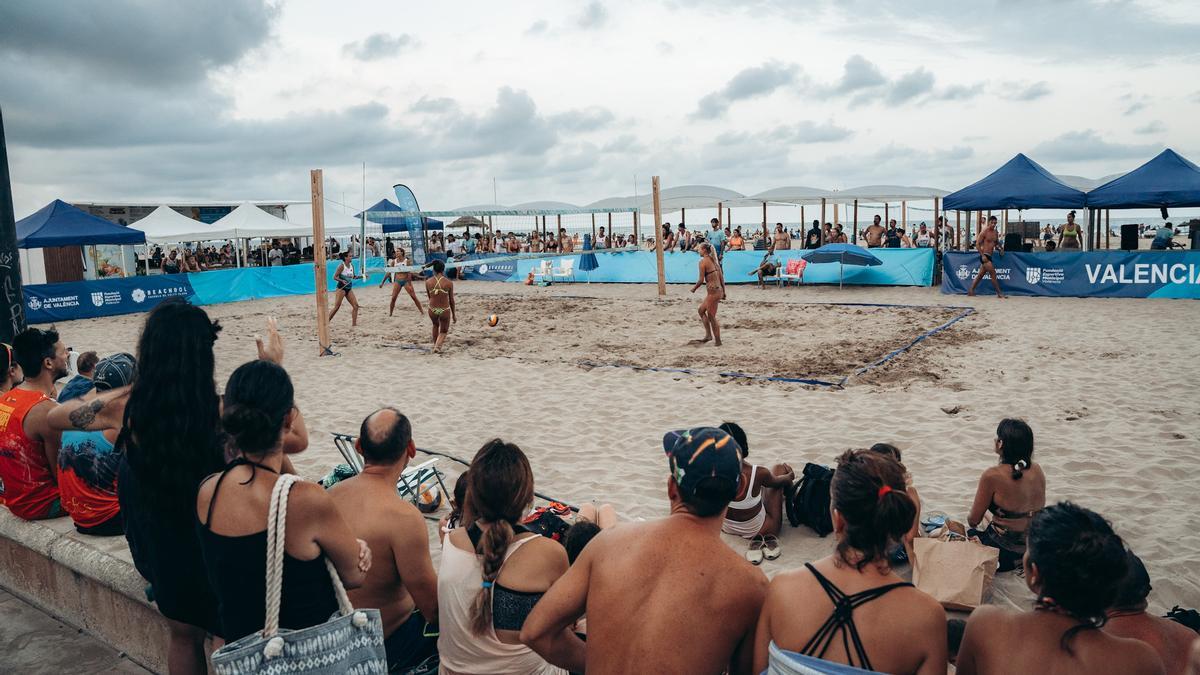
(543,270)
(567,271)
(798,277)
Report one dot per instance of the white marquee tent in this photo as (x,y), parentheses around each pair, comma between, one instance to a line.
(165,225)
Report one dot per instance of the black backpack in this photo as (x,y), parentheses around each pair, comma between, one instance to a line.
(1187,617)
(808,501)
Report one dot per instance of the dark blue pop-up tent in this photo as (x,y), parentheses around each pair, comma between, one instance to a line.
(1168,180)
(1020,184)
(60,224)
(394,223)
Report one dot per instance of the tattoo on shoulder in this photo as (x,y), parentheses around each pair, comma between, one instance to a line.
(83,416)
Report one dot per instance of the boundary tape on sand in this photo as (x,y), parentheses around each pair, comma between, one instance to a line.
(967,311)
(728,373)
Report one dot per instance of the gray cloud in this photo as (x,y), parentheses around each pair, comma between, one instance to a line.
(808,131)
(664,48)
(1134,108)
(433,105)
(858,74)
(1017,91)
(959,92)
(749,83)
(379,46)
(593,16)
(586,119)
(538,27)
(1153,127)
(910,86)
(166,43)
(1088,145)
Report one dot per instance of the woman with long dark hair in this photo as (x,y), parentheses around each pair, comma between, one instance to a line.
(343,277)
(231,509)
(494,571)
(851,607)
(1075,564)
(1013,491)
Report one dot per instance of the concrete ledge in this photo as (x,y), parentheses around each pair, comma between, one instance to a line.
(89,582)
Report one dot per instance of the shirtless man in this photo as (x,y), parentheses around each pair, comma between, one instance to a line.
(988,244)
(781,239)
(401,581)
(402,280)
(875,234)
(714,280)
(1129,619)
(440,291)
(666,596)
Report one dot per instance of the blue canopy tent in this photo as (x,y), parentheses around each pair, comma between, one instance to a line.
(378,214)
(1020,184)
(60,224)
(1168,180)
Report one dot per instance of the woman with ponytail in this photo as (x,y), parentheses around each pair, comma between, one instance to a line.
(1075,565)
(232,506)
(1013,491)
(494,571)
(850,607)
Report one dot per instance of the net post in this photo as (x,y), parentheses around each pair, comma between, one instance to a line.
(321,282)
(658,242)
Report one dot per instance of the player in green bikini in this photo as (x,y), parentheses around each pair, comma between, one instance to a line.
(441,299)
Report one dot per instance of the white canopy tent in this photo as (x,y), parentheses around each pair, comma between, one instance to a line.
(248,221)
(165,225)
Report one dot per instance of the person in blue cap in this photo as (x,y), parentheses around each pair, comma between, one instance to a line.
(649,586)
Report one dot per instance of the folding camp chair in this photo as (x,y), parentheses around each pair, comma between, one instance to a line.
(414,482)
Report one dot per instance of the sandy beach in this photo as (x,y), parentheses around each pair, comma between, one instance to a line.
(1113,409)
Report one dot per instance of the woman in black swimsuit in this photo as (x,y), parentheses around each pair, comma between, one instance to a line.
(1013,491)
(850,607)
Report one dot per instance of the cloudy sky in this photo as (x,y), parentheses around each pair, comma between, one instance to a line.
(565,100)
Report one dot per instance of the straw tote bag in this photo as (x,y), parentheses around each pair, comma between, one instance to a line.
(350,642)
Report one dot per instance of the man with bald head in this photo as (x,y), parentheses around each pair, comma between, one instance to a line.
(401,583)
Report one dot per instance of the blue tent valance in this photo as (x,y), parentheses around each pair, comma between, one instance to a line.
(60,224)
(390,217)
(1169,180)
(1020,184)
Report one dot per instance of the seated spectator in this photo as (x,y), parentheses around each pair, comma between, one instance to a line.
(851,607)
(757,511)
(671,582)
(1050,246)
(1013,491)
(10,370)
(1128,618)
(458,508)
(401,582)
(259,410)
(839,236)
(736,241)
(905,241)
(1163,237)
(767,267)
(85,367)
(493,572)
(88,461)
(889,450)
(28,445)
(1075,565)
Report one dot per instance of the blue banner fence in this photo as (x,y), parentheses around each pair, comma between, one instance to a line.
(1110,274)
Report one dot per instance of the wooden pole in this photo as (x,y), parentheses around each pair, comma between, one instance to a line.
(636,221)
(719,214)
(1107,228)
(822,213)
(658,242)
(835,214)
(320,280)
(766,235)
(957,229)
(594,231)
(854,232)
(803,222)
(683,216)
(886,216)
(936,214)
(904,216)
(610,226)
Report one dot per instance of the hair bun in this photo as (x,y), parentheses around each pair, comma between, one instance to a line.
(251,428)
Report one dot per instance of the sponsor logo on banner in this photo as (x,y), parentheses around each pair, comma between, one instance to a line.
(1053,275)
(35,303)
(103,298)
(164,292)
(483,268)
(1033,274)
(138,295)
(1144,273)
(963,272)
(53,302)
(98,299)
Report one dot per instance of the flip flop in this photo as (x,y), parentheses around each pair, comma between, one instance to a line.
(754,554)
(771,550)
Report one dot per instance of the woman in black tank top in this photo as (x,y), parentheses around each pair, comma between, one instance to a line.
(818,613)
(231,511)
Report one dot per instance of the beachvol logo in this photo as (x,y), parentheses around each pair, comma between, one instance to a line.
(963,273)
(138,295)
(35,303)
(98,299)
(1033,274)
(483,268)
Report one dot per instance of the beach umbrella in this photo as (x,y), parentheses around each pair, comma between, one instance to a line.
(588,261)
(842,254)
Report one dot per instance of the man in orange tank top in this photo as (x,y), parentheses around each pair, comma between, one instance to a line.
(28,446)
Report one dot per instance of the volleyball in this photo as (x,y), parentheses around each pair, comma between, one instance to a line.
(493,320)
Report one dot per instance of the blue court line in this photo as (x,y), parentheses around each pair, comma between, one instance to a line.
(967,311)
(729,374)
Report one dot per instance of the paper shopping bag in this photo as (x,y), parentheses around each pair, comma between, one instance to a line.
(957,573)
